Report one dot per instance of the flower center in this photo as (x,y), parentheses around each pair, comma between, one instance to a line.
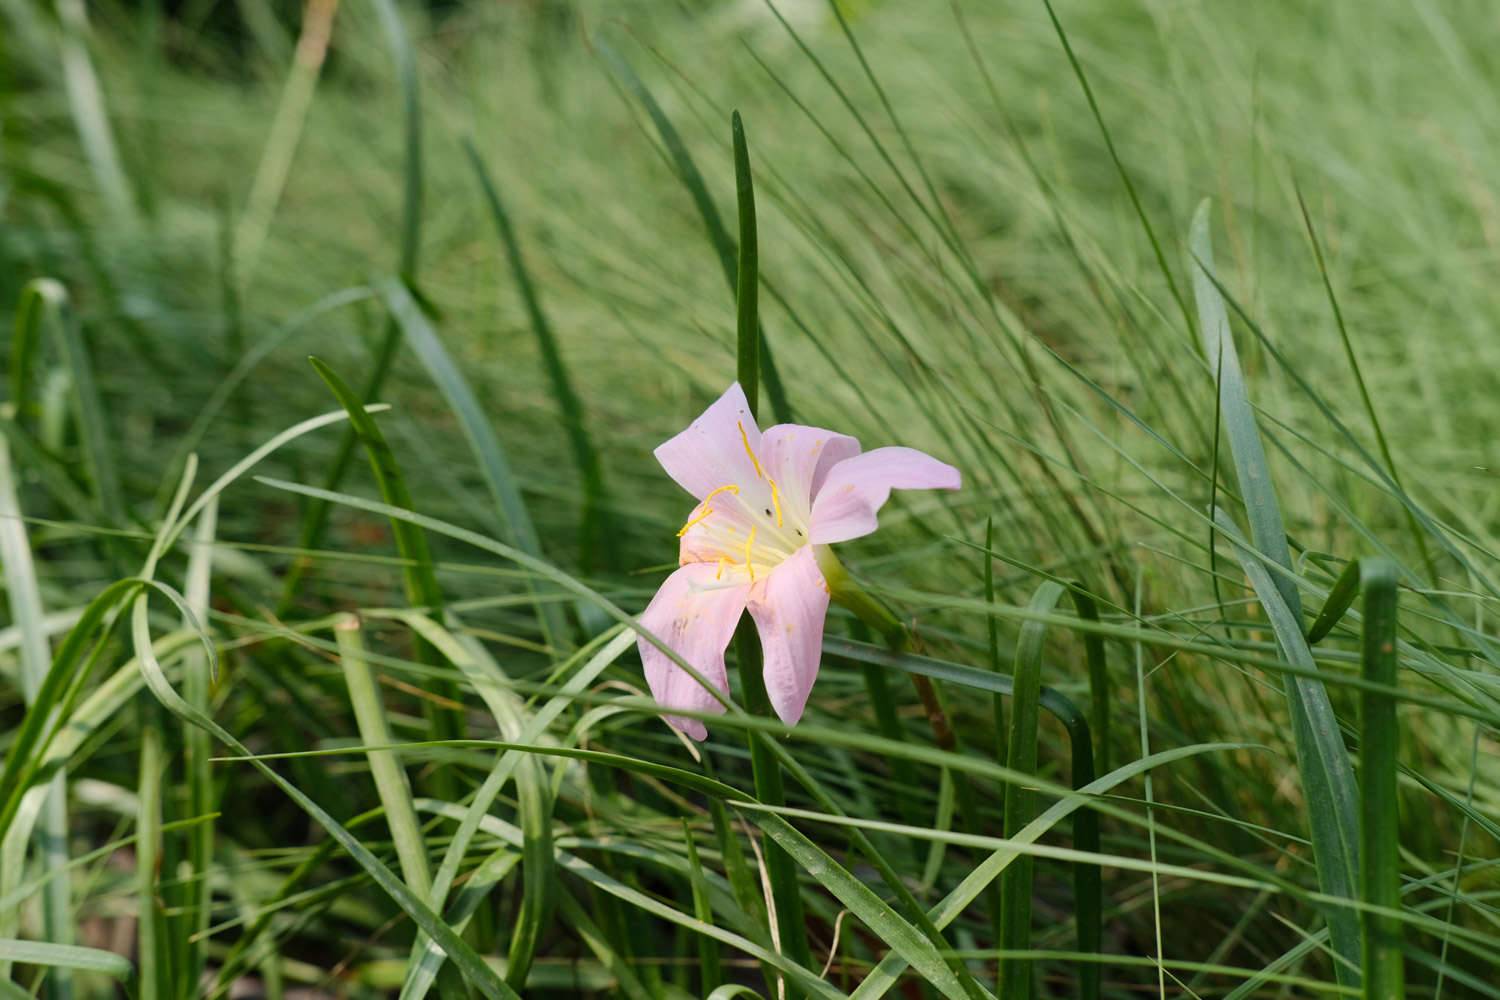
(743,527)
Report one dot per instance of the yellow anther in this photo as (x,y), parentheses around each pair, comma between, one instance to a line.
(775,500)
(731,488)
(749,542)
(697,520)
(745,440)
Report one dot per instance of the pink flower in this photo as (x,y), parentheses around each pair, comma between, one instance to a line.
(765,502)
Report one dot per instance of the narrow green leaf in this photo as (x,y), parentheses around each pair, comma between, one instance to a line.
(1017,976)
(315,519)
(747,273)
(597,537)
(493,463)
(1256,489)
(1380,820)
(422,589)
(66,956)
(27,612)
(687,172)
(710,972)
(196,684)
(892,930)
(1322,760)
(474,968)
(596,657)
(391,783)
(790,928)
(45,304)
(1345,590)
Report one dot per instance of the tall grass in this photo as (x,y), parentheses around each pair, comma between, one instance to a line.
(378,728)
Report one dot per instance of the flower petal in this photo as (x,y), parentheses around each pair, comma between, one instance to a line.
(798,458)
(857,487)
(715,450)
(789,607)
(695,618)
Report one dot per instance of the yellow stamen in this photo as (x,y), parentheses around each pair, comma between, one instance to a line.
(775,500)
(723,561)
(745,440)
(750,541)
(731,488)
(697,520)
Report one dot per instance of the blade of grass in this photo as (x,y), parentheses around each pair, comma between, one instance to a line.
(422,589)
(391,783)
(790,928)
(493,463)
(474,968)
(1322,761)
(1380,826)
(315,519)
(151,938)
(1345,589)
(598,539)
(1016,977)
(1359,380)
(687,172)
(196,750)
(90,118)
(601,653)
(1267,531)
(283,136)
(50,308)
(27,612)
(710,971)
(66,956)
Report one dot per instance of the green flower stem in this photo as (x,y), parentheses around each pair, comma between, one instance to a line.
(791,922)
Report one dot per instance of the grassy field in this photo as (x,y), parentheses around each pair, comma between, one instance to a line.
(302,699)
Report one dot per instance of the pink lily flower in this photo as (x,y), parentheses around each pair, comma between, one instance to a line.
(766,502)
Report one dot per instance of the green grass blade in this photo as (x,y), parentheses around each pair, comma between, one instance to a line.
(90,117)
(315,520)
(1119,165)
(152,939)
(747,272)
(474,968)
(598,537)
(493,463)
(1340,597)
(391,783)
(422,590)
(892,930)
(1322,761)
(1380,821)
(405,59)
(45,304)
(1359,380)
(65,956)
(196,685)
(1256,488)
(27,612)
(687,172)
(790,928)
(1016,979)
(602,653)
(710,970)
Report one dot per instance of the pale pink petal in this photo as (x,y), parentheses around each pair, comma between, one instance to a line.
(712,451)
(857,487)
(798,459)
(694,616)
(789,607)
